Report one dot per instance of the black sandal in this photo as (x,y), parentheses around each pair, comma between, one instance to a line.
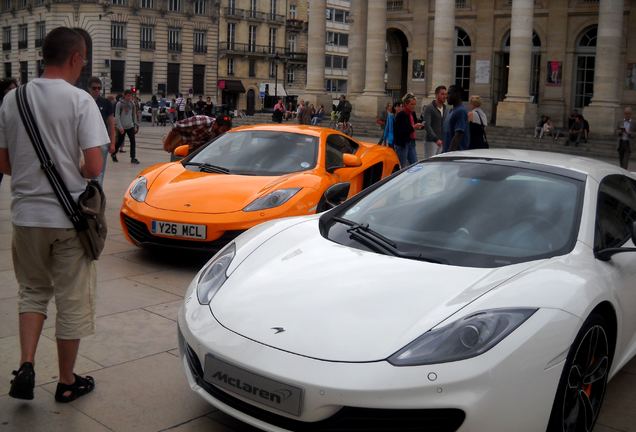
(23,383)
(80,387)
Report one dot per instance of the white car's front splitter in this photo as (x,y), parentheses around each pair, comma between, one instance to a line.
(510,387)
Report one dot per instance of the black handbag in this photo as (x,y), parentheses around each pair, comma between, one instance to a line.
(88,213)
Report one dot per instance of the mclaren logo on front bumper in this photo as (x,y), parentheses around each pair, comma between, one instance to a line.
(277,396)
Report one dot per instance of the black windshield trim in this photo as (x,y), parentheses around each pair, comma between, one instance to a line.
(533,166)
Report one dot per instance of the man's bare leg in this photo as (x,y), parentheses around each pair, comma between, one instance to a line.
(31,324)
(66,355)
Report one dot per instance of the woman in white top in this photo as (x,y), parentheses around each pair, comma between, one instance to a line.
(477,123)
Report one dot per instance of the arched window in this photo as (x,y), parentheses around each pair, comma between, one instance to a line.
(585,57)
(462,61)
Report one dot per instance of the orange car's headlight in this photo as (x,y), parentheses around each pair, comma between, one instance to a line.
(271,200)
(139,189)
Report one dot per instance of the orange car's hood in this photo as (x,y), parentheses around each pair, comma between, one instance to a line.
(179,189)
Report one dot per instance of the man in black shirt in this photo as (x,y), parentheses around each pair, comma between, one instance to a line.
(200,106)
(208,109)
(107,111)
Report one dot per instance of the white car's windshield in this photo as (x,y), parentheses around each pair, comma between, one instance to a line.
(267,153)
(463,212)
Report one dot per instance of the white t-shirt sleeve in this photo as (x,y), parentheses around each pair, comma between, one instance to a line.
(3,124)
(91,131)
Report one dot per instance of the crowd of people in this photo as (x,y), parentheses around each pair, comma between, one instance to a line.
(578,129)
(448,127)
(305,113)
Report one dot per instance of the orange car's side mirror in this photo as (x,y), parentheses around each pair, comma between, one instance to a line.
(181,151)
(351,160)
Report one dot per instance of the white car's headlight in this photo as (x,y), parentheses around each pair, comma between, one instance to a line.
(468,337)
(272,200)
(214,274)
(139,189)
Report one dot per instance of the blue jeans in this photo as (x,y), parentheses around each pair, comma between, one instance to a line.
(406,154)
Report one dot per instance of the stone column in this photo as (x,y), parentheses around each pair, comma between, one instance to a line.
(517,110)
(604,109)
(443,45)
(357,48)
(317,34)
(374,97)
(553,101)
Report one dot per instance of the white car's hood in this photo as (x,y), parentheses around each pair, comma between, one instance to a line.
(342,304)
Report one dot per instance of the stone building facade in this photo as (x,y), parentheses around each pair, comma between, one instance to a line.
(156,46)
(523,57)
(262,52)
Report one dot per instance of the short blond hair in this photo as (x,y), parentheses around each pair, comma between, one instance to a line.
(475,101)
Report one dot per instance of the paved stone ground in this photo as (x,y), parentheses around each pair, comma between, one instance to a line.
(133,355)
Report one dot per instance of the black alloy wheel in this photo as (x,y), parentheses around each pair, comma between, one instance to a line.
(584,379)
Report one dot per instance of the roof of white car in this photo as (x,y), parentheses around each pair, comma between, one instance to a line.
(594,168)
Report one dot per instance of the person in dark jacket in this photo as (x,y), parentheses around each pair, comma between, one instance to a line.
(404,131)
(433,116)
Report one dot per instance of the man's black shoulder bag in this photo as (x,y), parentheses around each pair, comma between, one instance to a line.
(87,214)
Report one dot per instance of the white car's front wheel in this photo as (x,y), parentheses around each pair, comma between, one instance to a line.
(583,382)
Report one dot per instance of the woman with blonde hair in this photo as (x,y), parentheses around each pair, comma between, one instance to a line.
(477,122)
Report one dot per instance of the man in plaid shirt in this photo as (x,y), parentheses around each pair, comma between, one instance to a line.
(196,131)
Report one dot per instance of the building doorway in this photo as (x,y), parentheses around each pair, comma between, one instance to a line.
(251,102)
(584,61)
(397,63)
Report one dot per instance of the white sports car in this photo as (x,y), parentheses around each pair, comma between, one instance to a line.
(479,291)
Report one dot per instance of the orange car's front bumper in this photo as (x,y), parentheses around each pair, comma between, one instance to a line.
(136,220)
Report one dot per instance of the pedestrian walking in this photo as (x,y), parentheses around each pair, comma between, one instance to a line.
(456,130)
(404,131)
(279,111)
(189,108)
(433,116)
(180,107)
(388,136)
(200,106)
(48,257)
(126,120)
(154,110)
(477,122)
(626,129)
(106,110)
(208,109)
(381,120)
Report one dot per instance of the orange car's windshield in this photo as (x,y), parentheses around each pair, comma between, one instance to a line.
(267,153)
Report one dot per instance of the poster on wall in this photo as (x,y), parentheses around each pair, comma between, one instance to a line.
(419,69)
(482,72)
(554,73)
(630,77)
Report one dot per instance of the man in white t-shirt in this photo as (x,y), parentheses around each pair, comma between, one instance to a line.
(48,257)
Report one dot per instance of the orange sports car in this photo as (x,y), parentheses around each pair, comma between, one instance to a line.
(247,176)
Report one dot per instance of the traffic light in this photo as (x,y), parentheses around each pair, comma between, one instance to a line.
(133,89)
(266,89)
(137,81)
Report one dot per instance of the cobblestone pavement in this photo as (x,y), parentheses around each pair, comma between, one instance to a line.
(140,385)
